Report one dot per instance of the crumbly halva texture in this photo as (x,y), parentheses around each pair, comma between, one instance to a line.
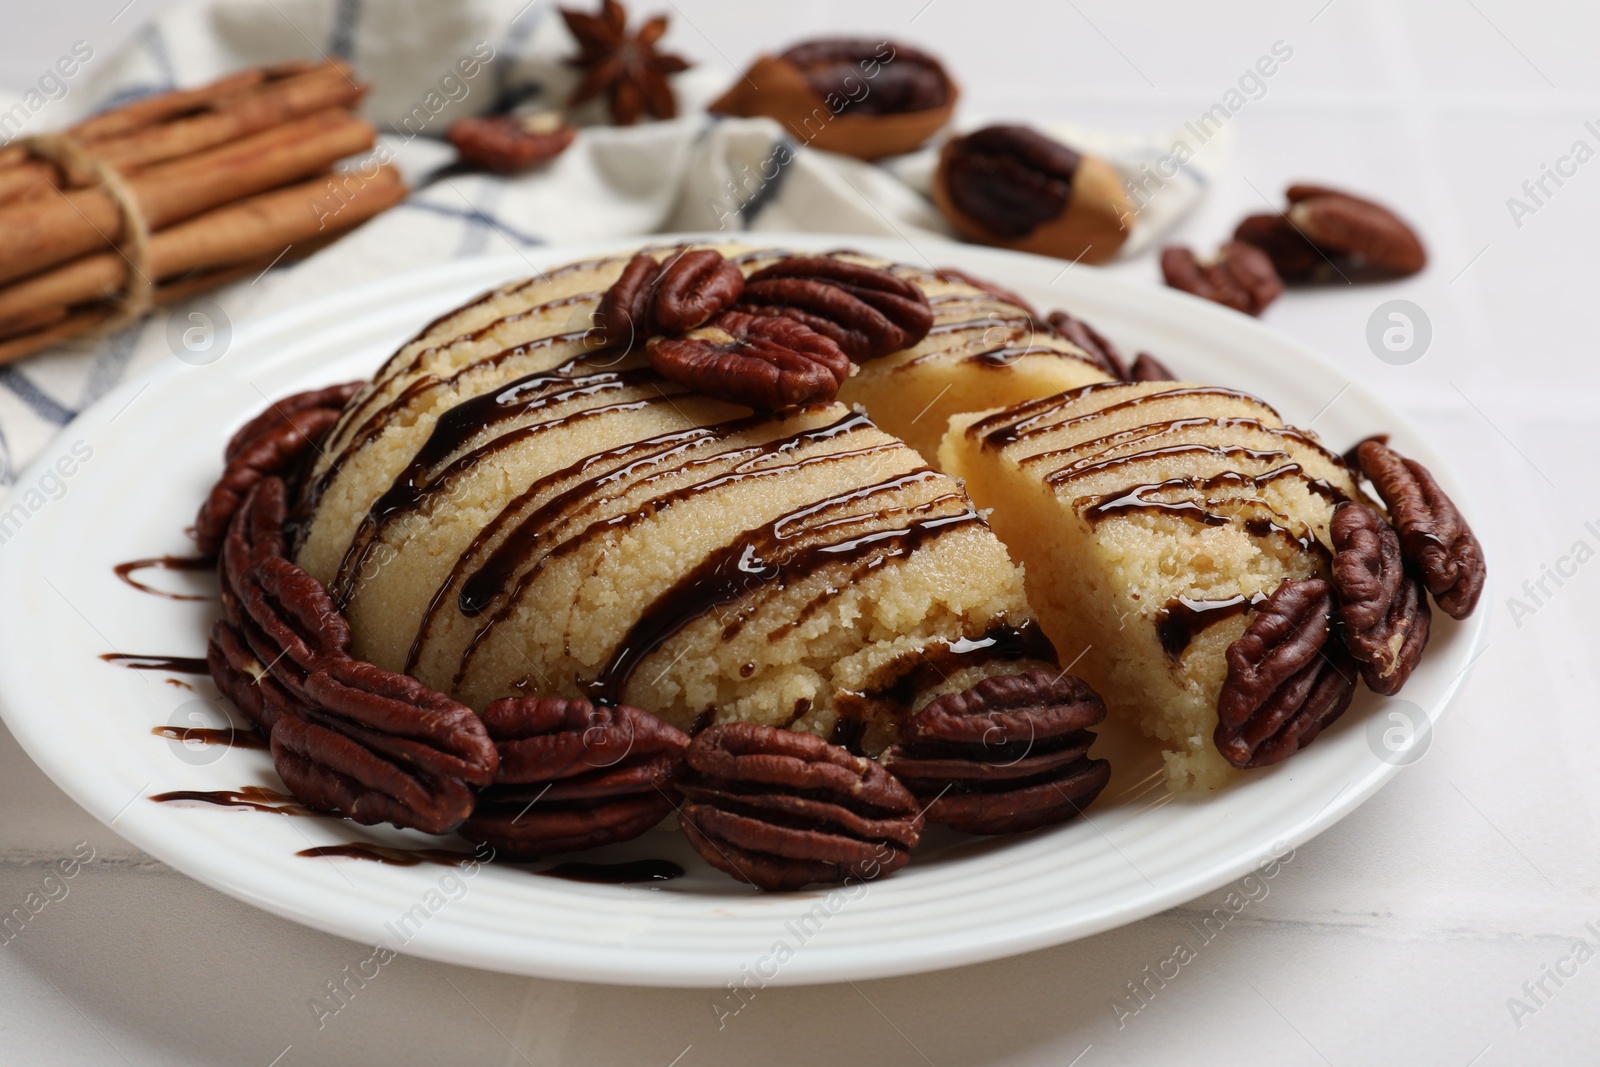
(511,508)
(1150,517)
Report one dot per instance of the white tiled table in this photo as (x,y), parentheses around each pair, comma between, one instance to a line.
(1396,937)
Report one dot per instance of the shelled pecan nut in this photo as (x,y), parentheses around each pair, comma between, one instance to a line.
(780,809)
(1383,608)
(1101,351)
(254,536)
(290,622)
(244,679)
(1010,179)
(835,68)
(1241,277)
(506,144)
(382,747)
(999,292)
(866,311)
(1365,232)
(693,288)
(574,776)
(1007,755)
(1147,368)
(1434,537)
(766,363)
(276,442)
(1286,680)
(622,319)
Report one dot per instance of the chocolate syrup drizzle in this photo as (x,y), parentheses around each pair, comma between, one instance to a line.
(138,661)
(628,872)
(126,571)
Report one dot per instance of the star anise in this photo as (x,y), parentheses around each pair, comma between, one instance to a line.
(627,68)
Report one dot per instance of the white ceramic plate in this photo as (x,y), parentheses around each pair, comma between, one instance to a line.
(153,448)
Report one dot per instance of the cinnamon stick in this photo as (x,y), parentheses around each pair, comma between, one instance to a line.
(36,234)
(255,226)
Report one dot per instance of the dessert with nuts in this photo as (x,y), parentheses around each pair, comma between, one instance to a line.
(605,543)
(1223,576)
(1014,187)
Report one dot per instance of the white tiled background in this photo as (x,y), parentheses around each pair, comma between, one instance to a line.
(1396,937)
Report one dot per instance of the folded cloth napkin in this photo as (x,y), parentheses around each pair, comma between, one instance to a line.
(694,173)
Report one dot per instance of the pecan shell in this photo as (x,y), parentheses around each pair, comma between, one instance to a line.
(693,288)
(1382,608)
(1286,679)
(835,68)
(780,809)
(866,311)
(1006,755)
(1242,277)
(506,144)
(382,747)
(276,442)
(1366,233)
(1434,536)
(1010,179)
(1101,351)
(766,363)
(574,776)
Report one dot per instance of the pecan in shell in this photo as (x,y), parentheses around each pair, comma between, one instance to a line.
(1383,608)
(866,311)
(1434,536)
(382,747)
(506,144)
(1102,352)
(781,810)
(1241,277)
(276,442)
(1006,755)
(1365,233)
(1010,179)
(574,776)
(908,80)
(1286,680)
(766,363)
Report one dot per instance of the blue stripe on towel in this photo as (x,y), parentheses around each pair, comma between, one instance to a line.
(473,214)
(40,402)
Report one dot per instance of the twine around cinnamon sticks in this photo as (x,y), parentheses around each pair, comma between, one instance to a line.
(178,193)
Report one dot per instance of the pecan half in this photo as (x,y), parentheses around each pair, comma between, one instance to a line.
(1007,755)
(276,442)
(1367,233)
(766,363)
(382,747)
(1148,368)
(1103,353)
(693,288)
(622,318)
(243,679)
(780,809)
(254,536)
(1434,536)
(1241,277)
(574,776)
(1293,255)
(1010,179)
(836,67)
(506,144)
(866,311)
(1383,609)
(290,622)
(999,292)
(1286,680)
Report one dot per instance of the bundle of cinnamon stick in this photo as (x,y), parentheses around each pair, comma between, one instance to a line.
(226,180)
